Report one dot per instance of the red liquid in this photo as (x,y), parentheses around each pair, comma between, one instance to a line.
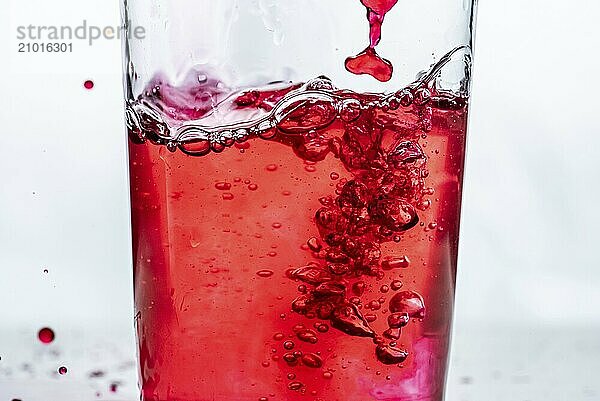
(313,259)
(368,61)
(46,335)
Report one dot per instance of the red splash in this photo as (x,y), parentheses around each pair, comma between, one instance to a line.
(368,61)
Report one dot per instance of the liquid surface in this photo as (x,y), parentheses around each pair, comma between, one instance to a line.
(295,241)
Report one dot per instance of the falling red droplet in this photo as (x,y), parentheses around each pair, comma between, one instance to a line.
(62,370)
(89,84)
(46,335)
(369,62)
(379,6)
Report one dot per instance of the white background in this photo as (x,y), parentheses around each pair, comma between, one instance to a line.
(528,306)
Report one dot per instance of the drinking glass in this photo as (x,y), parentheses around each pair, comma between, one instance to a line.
(296,172)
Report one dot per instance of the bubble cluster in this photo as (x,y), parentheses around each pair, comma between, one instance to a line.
(299,112)
(377,204)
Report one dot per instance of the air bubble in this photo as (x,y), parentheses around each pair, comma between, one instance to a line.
(241,134)
(409,302)
(311,274)
(393,103)
(424,204)
(307,335)
(312,360)
(226,138)
(393,333)
(390,355)
(290,359)
(395,263)
(217,147)
(347,318)
(267,134)
(295,386)
(265,273)
(171,146)
(242,145)
(265,126)
(405,152)
(374,305)
(406,97)
(196,147)
(314,244)
(349,110)
(304,112)
(223,186)
(397,320)
(62,370)
(358,288)
(369,317)
(422,96)
(322,328)
(396,285)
